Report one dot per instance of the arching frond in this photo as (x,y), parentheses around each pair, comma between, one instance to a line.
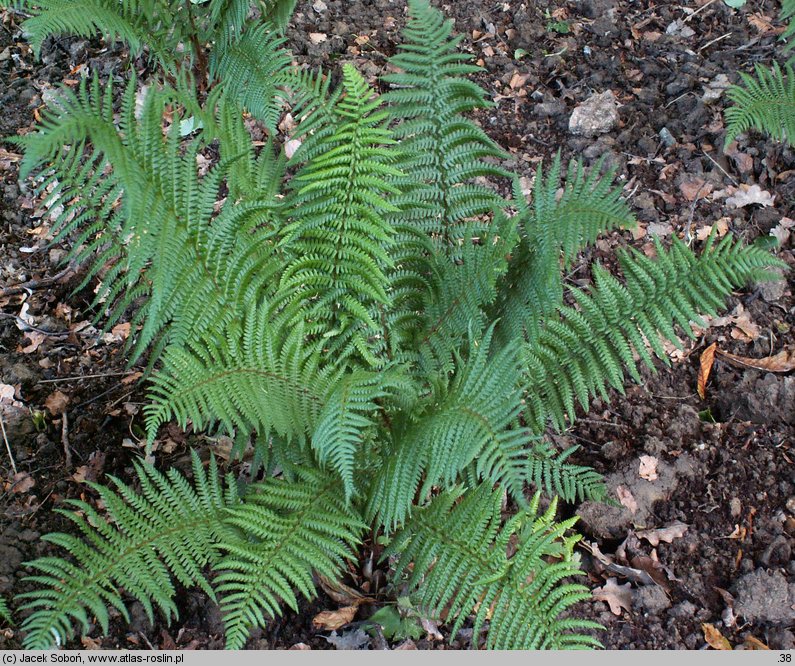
(456,556)
(765,102)
(145,540)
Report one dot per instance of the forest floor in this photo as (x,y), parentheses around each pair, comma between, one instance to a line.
(700,549)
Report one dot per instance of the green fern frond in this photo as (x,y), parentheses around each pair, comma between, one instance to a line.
(250,69)
(247,378)
(287,531)
(550,472)
(788,14)
(589,347)
(166,531)
(765,102)
(338,236)
(563,219)
(443,151)
(152,23)
(455,553)
(475,419)
(5,612)
(349,415)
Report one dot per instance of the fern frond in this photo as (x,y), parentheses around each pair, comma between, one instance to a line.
(348,417)
(443,152)
(557,226)
(247,378)
(788,14)
(589,347)
(166,531)
(550,472)
(287,532)
(250,69)
(454,552)
(765,102)
(5,612)
(475,419)
(338,236)
(139,23)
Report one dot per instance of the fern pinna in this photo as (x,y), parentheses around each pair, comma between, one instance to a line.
(387,331)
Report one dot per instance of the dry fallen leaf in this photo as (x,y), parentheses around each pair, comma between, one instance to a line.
(22,482)
(705,367)
(648,468)
(626,498)
(784,361)
(782,230)
(317,37)
(616,596)
(291,147)
(408,644)
(333,620)
(695,188)
(341,593)
(721,227)
(56,403)
(745,329)
(715,639)
(746,195)
(667,534)
(752,643)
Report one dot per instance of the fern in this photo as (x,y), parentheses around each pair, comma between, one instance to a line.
(455,554)
(765,102)
(286,531)
(385,328)
(5,612)
(168,530)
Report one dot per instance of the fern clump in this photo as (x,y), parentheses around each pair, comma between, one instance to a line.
(386,330)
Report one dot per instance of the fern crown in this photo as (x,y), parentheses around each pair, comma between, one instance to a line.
(384,334)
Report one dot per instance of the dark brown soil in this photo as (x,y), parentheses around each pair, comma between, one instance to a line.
(725,463)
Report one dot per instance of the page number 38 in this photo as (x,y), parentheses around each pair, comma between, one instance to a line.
(785,658)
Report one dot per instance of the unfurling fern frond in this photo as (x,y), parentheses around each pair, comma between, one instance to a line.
(589,347)
(167,531)
(286,531)
(455,553)
(765,102)
(443,151)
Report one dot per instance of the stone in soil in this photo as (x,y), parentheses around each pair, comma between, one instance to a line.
(763,596)
(597,115)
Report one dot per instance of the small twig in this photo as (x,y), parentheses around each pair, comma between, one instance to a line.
(700,9)
(715,41)
(76,377)
(725,173)
(65,440)
(30,327)
(31,285)
(8,446)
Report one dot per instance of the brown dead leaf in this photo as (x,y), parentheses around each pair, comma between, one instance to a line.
(22,482)
(747,195)
(35,340)
(340,592)
(648,468)
(721,229)
(760,22)
(784,361)
(132,377)
(705,367)
(752,643)
(715,639)
(90,643)
(695,188)
(317,37)
(745,329)
(626,498)
(616,596)
(56,403)
(782,231)
(667,534)
(408,644)
(333,620)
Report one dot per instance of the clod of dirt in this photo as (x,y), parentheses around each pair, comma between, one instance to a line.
(651,598)
(597,115)
(766,399)
(612,522)
(773,291)
(764,597)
